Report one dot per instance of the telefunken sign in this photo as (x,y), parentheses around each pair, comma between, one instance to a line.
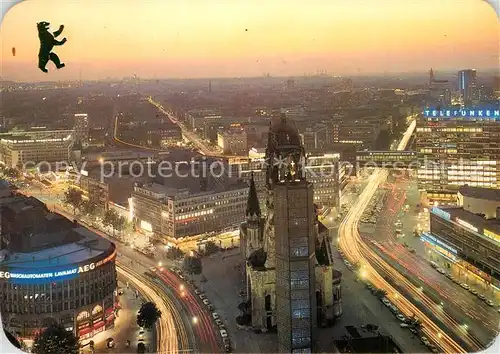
(50,275)
(486,114)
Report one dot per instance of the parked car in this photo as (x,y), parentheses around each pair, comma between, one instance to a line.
(401,318)
(404,325)
(481,296)
(215,315)
(202,296)
(197,292)
(218,322)
(206,302)
(465,286)
(223,333)
(473,291)
(490,303)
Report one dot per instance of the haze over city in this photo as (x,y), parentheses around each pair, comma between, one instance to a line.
(200,38)
(250,176)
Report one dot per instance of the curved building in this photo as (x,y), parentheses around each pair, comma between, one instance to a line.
(53,270)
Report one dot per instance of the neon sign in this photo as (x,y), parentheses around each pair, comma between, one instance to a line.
(434,241)
(485,114)
(56,274)
(441,213)
(467,225)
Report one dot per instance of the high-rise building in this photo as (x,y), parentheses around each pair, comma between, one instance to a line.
(81,128)
(291,283)
(455,151)
(467,87)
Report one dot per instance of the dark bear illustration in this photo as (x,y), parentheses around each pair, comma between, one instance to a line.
(47,42)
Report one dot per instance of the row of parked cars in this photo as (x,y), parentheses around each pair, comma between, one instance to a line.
(463,285)
(215,315)
(413,324)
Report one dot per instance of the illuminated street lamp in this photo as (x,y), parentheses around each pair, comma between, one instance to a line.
(439,335)
(160,264)
(195,320)
(181,287)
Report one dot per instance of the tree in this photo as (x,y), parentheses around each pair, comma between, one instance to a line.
(55,339)
(120,223)
(111,219)
(74,198)
(192,265)
(90,208)
(174,253)
(211,247)
(148,315)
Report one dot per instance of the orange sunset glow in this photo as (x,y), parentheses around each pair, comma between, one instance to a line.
(207,38)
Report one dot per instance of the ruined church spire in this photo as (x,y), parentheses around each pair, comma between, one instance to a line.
(253,207)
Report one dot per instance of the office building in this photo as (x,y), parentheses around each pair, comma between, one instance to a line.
(457,150)
(465,241)
(291,283)
(53,270)
(233,141)
(95,190)
(467,86)
(81,128)
(176,213)
(29,148)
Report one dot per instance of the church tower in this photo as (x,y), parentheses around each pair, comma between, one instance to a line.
(253,214)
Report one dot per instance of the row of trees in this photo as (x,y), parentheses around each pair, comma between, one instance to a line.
(74,197)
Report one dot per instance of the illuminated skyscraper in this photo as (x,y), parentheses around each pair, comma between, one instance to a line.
(81,127)
(467,87)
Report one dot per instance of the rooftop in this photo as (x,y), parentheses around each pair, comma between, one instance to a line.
(38,238)
(475,220)
(89,246)
(480,193)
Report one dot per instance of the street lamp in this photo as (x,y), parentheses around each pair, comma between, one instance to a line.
(181,287)
(159,264)
(195,320)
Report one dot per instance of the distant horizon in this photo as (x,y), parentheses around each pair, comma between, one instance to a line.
(247,38)
(437,71)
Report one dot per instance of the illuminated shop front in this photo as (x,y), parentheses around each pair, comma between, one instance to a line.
(468,243)
(81,296)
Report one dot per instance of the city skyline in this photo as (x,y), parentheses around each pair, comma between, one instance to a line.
(250,40)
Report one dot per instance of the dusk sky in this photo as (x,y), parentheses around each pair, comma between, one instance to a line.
(214,38)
